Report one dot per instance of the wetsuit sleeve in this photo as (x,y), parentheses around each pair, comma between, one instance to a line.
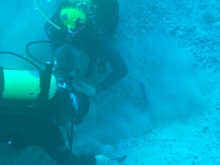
(53,143)
(107,51)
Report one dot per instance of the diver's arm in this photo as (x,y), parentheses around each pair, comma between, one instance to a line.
(108,52)
(53,143)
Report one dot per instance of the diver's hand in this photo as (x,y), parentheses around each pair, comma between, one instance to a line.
(84,88)
(102,160)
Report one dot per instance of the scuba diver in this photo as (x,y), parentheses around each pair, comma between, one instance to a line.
(32,111)
(86,25)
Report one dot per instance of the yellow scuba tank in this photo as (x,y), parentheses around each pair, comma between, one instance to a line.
(25,85)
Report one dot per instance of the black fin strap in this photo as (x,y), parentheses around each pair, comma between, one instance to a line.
(45,83)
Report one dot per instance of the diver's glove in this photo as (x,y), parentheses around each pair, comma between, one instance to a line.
(102,160)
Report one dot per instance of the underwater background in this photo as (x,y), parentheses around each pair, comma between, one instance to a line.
(173,48)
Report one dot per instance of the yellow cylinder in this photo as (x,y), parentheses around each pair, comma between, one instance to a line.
(53,87)
(24,85)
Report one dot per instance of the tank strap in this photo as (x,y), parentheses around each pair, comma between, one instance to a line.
(2,81)
(45,79)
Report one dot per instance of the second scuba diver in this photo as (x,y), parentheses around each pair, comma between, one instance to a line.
(86,25)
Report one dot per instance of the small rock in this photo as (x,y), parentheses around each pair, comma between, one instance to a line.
(180,33)
(205,129)
(195,157)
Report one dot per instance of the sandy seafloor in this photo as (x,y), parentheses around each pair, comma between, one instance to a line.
(173,47)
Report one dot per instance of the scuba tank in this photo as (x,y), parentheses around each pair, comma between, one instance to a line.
(27,85)
(25,96)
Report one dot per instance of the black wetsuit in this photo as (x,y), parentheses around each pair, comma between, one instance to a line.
(94,39)
(37,125)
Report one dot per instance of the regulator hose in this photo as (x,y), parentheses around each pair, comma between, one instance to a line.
(27,50)
(35,2)
(17,55)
